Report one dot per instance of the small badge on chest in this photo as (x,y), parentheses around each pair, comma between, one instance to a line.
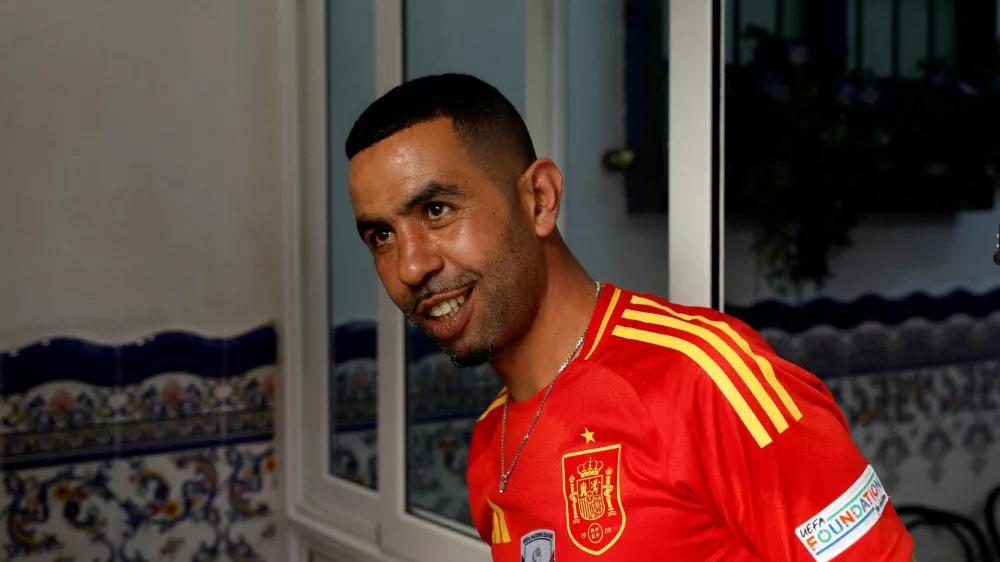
(538,546)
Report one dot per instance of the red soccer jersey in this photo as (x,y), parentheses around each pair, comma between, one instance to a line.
(679,435)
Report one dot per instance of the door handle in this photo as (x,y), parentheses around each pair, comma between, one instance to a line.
(619,159)
(996,255)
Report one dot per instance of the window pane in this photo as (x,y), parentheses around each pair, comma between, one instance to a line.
(861,223)
(353,281)
(484,38)
(616,104)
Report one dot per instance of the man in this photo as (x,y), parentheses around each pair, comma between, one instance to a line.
(630,427)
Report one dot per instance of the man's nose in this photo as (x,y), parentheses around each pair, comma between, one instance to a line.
(418,259)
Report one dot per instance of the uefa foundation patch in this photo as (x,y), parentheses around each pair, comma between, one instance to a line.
(846,520)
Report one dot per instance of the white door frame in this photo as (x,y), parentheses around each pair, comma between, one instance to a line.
(319,507)
(692,176)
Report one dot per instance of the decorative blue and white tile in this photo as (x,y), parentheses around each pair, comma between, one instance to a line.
(354,456)
(57,405)
(58,512)
(979,441)
(252,391)
(172,396)
(57,400)
(930,432)
(249,426)
(438,390)
(438,456)
(250,492)
(120,453)
(354,391)
(916,342)
(825,352)
(210,504)
(168,410)
(58,420)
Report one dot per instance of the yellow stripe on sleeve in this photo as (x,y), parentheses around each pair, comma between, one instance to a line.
(724,349)
(762,363)
(711,368)
(496,403)
(604,322)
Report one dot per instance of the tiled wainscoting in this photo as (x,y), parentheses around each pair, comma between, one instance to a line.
(918,380)
(443,403)
(160,449)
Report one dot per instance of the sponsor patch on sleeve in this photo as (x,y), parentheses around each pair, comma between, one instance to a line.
(842,523)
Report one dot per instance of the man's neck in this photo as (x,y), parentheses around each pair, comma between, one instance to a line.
(528,365)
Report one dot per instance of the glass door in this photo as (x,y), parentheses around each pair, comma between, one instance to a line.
(428,407)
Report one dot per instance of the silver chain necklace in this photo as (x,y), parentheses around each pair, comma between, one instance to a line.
(504,475)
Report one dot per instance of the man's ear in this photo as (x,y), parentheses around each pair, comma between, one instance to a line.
(543,183)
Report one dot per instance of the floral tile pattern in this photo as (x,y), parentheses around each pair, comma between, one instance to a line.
(205,504)
(155,450)
(57,419)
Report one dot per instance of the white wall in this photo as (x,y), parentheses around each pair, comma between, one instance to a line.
(893,258)
(138,168)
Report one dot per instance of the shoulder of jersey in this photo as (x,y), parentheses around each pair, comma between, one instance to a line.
(491,416)
(644,339)
(642,335)
(662,348)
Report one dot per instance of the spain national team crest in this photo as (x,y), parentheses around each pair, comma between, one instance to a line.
(595,518)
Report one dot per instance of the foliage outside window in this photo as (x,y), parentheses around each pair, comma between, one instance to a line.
(812,148)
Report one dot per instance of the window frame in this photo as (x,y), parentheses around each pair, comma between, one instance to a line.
(695,215)
(315,502)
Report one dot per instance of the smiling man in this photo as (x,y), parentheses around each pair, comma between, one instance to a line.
(629,427)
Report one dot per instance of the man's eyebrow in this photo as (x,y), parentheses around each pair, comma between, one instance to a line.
(427,193)
(420,196)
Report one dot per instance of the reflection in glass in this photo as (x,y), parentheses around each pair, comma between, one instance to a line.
(486,39)
(443,404)
(353,282)
(860,161)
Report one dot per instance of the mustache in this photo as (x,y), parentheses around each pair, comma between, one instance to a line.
(435,286)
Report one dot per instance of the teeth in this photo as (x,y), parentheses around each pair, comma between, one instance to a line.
(448,308)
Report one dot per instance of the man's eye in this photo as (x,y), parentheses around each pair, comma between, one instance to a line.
(436,210)
(379,237)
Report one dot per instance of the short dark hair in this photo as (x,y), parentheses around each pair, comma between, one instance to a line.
(483,118)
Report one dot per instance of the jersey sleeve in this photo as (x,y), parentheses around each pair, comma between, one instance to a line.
(780,470)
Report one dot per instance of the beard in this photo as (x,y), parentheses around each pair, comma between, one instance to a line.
(472,358)
(507,296)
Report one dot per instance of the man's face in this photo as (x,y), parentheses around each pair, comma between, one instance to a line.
(456,252)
